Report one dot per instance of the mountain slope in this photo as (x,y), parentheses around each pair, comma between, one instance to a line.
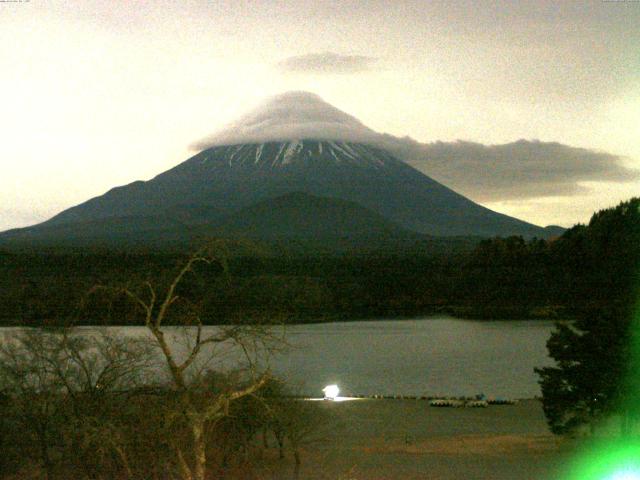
(228,178)
(293,216)
(299,215)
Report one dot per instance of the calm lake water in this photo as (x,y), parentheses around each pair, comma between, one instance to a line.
(429,356)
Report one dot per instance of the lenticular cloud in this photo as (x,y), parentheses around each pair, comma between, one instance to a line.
(518,170)
(292,116)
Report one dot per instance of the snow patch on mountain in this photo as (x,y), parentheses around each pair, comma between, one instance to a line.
(293,154)
(290,116)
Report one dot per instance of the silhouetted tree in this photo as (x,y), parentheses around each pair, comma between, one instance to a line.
(595,354)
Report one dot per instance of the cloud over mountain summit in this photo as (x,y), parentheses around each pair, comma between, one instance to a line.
(517,170)
(291,116)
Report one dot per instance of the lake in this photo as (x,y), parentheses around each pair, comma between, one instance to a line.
(426,356)
(430,356)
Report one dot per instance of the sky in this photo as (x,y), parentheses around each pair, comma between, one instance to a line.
(96,94)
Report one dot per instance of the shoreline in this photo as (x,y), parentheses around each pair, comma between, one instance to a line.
(446,313)
(409,440)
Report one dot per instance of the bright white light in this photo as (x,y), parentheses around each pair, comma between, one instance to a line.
(627,474)
(331,392)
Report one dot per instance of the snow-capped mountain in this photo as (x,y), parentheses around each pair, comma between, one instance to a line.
(307,153)
(293,143)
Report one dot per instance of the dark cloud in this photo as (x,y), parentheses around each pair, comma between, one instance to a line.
(326,62)
(518,170)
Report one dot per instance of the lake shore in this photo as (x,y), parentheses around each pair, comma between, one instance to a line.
(408,439)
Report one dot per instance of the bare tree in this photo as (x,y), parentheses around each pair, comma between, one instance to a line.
(199,405)
(294,421)
(35,397)
(300,423)
(101,375)
(92,400)
(62,385)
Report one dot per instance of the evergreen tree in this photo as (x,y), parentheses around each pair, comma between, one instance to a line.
(593,375)
(588,381)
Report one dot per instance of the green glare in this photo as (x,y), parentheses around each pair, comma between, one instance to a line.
(616,457)
(625,475)
(608,460)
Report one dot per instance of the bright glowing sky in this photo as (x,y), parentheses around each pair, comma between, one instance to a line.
(96,94)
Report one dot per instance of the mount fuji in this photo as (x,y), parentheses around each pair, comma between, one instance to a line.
(258,177)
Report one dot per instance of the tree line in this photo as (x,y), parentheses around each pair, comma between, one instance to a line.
(499,278)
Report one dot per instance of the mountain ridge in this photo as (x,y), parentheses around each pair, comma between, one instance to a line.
(224,179)
(228,178)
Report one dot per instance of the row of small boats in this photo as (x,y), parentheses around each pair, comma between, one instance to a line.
(479,401)
(472,403)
